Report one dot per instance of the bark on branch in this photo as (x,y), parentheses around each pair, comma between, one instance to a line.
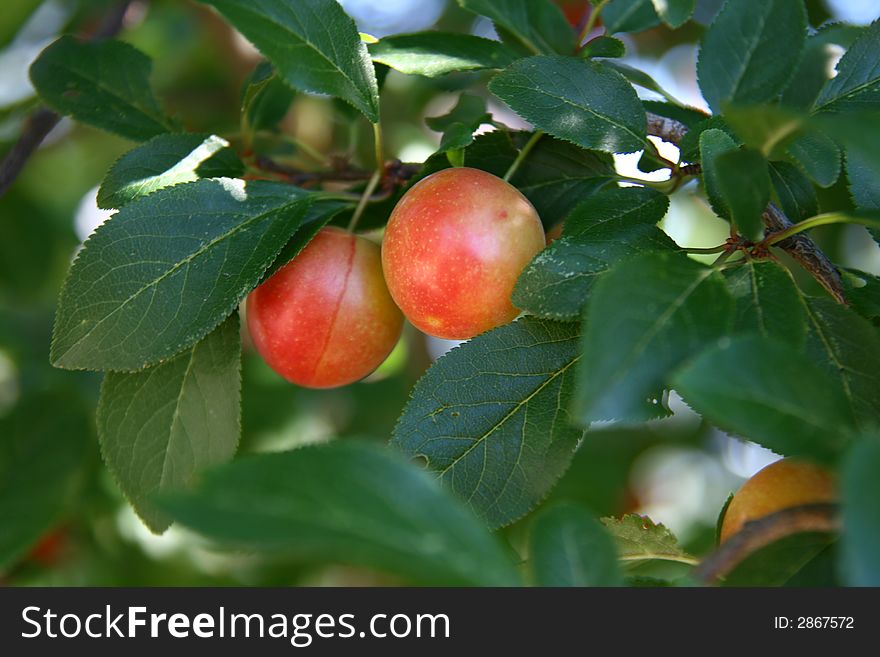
(800,247)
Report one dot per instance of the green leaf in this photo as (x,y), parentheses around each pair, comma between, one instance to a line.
(743,182)
(857,83)
(459,125)
(768,392)
(539,26)
(437,53)
(637,77)
(568,547)
(162,426)
(863,176)
(580,101)
(848,346)
(863,292)
(606,228)
(604,46)
(690,143)
(644,318)
(557,175)
(629,16)
(167,160)
(265,98)
(168,268)
(793,190)
(768,302)
(105,84)
(812,73)
(861,522)
(690,116)
(818,156)
(767,128)
(345,502)
(44,446)
(781,561)
(713,144)
(313,44)
(750,51)
(639,539)
(491,419)
(675,13)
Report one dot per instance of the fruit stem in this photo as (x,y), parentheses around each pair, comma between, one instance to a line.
(712,249)
(380,151)
(365,197)
(591,23)
(520,158)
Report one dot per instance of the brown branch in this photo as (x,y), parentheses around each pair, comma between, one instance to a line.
(800,247)
(757,534)
(41,121)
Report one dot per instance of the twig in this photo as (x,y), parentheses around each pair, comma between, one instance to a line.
(42,120)
(800,247)
(760,533)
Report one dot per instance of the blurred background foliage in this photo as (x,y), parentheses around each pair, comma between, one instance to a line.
(679,471)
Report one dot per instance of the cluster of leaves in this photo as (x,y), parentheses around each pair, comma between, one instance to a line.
(616,314)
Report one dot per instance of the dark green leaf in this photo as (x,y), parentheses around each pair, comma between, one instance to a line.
(794,191)
(569,547)
(160,427)
(459,125)
(437,53)
(812,73)
(863,292)
(604,46)
(577,100)
(609,226)
(346,502)
(44,445)
(687,115)
(313,44)
(690,143)
(713,144)
(265,98)
(848,346)
(863,175)
(744,184)
(818,156)
(857,83)
(639,539)
(861,522)
(629,16)
(675,13)
(167,160)
(558,175)
(105,84)
(491,417)
(767,391)
(644,318)
(750,51)
(538,26)
(780,561)
(168,268)
(636,76)
(767,128)
(768,302)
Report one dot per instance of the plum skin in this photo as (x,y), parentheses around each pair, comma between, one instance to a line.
(454,246)
(781,485)
(325,319)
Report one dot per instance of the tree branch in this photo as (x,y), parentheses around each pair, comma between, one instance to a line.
(800,247)
(42,120)
(757,534)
